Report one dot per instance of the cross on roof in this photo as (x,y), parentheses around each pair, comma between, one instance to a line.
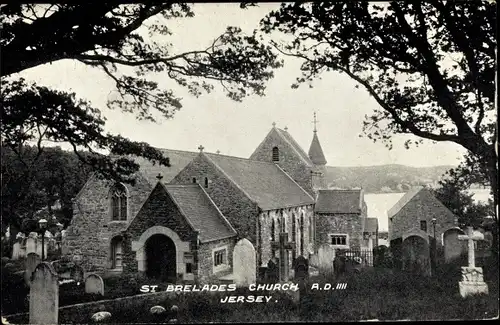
(274,124)
(201,148)
(159,176)
(315,121)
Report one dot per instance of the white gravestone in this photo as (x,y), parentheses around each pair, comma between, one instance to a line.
(244,263)
(18,249)
(31,243)
(326,255)
(94,284)
(472,276)
(44,295)
(32,260)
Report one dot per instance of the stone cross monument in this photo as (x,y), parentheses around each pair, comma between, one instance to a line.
(472,276)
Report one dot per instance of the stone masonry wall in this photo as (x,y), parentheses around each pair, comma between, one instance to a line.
(91,228)
(264,251)
(158,210)
(289,160)
(206,262)
(351,224)
(423,206)
(240,211)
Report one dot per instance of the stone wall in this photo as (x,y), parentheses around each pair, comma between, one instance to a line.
(423,206)
(91,228)
(289,160)
(158,210)
(264,251)
(351,224)
(206,272)
(240,211)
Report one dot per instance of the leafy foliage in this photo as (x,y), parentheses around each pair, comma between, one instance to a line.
(430,66)
(116,40)
(33,184)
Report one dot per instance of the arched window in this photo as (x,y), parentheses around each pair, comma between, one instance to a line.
(294,230)
(311,232)
(206,182)
(283,222)
(194,180)
(302,234)
(119,202)
(276,154)
(116,252)
(273,230)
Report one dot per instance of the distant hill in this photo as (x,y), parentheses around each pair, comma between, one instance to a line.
(384,178)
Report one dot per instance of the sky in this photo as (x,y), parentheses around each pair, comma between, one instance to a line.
(219,123)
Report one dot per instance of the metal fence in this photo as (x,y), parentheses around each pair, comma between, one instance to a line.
(361,256)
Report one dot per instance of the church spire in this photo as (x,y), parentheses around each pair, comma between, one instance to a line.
(315,151)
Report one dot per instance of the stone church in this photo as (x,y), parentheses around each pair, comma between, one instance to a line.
(182,222)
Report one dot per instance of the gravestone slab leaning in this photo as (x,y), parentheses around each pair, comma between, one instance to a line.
(244,263)
(44,295)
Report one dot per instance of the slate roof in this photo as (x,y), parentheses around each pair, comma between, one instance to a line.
(200,211)
(371,225)
(338,201)
(316,152)
(178,160)
(295,145)
(403,201)
(264,183)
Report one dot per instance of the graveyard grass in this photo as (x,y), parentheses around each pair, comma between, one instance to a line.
(375,293)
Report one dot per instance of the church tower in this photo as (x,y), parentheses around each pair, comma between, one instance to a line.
(318,159)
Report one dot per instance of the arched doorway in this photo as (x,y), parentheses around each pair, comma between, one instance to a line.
(161,258)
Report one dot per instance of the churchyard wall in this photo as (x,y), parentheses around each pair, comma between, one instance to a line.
(91,228)
(240,211)
(346,223)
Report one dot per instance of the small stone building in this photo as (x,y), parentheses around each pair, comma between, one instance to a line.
(341,219)
(417,222)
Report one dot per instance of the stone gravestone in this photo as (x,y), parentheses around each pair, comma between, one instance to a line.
(244,263)
(31,262)
(472,276)
(326,255)
(31,243)
(301,269)
(94,284)
(18,249)
(272,272)
(283,246)
(44,295)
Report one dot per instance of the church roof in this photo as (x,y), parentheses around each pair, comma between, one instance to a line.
(316,152)
(200,211)
(404,200)
(178,160)
(264,183)
(294,145)
(371,225)
(339,201)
